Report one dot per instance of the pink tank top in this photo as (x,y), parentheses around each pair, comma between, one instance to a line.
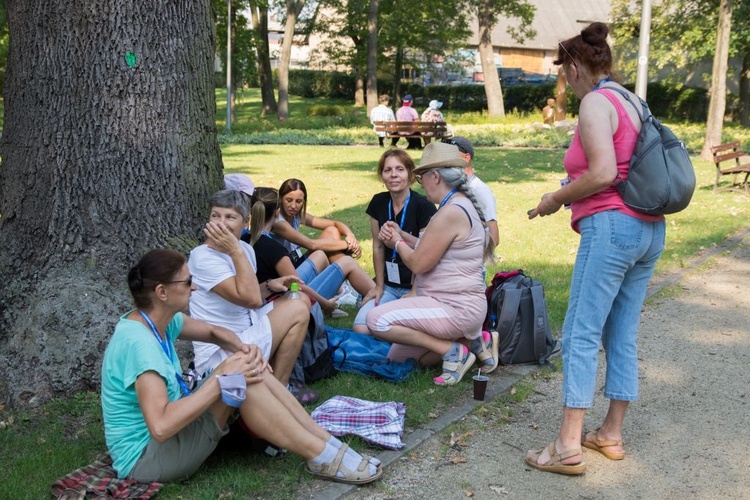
(576,163)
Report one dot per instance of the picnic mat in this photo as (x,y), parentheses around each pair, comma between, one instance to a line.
(99,480)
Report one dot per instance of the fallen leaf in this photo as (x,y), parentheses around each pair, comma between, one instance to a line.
(498,489)
(468,493)
(458,459)
(534,426)
(513,391)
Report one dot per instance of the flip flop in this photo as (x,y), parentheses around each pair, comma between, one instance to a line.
(599,445)
(330,470)
(554,464)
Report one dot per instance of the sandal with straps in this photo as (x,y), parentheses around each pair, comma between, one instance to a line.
(489,352)
(554,464)
(599,445)
(330,470)
(453,371)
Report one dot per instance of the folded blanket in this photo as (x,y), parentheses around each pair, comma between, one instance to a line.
(381,424)
(99,480)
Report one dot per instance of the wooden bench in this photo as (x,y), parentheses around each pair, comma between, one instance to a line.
(730,155)
(436,130)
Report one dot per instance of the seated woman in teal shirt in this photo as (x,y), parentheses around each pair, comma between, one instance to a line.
(157,430)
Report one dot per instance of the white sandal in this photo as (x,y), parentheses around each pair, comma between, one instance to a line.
(329,471)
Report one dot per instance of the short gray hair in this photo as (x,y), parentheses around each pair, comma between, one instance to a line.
(236,200)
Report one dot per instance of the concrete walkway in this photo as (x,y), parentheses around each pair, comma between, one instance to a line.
(688,436)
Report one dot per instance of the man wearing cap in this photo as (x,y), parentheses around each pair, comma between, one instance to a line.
(481,190)
(432,114)
(407,114)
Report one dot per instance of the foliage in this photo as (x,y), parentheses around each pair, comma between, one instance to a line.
(4,40)
(244,64)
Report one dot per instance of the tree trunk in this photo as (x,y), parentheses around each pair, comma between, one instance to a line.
(561,95)
(259,14)
(492,88)
(372,55)
(359,88)
(745,91)
(397,69)
(108,149)
(293,8)
(718,100)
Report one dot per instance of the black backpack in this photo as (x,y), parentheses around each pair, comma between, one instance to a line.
(315,361)
(517,310)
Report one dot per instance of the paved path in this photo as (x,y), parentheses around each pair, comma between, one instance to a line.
(688,436)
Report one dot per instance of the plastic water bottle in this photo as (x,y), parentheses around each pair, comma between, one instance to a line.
(294,291)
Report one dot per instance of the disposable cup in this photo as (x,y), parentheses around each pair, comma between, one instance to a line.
(480,386)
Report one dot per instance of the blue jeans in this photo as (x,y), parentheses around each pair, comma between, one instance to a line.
(615,260)
(327,283)
(390,293)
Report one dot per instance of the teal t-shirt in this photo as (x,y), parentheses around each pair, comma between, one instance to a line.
(133,350)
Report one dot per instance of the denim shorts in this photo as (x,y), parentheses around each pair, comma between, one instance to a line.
(615,260)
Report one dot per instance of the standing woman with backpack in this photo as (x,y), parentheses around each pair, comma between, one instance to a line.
(618,250)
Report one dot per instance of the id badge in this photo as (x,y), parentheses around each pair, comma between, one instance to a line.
(298,251)
(563,183)
(391,269)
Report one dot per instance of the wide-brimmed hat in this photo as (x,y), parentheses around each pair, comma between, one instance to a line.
(435,104)
(440,155)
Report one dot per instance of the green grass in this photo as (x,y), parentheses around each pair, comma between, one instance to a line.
(38,448)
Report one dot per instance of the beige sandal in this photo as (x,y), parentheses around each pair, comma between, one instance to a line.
(359,476)
(598,445)
(554,464)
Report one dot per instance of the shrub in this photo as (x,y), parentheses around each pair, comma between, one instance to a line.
(325,110)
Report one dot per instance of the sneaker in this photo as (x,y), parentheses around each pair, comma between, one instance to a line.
(347,296)
(338,313)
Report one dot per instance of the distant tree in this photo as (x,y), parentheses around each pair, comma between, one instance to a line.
(718,92)
(487,12)
(108,149)
(259,16)
(372,55)
(293,10)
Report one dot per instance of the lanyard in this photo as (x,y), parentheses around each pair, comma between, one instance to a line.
(447,197)
(403,218)
(166,347)
(602,82)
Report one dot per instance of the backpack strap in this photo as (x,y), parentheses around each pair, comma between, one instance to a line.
(643,113)
(540,323)
(511,301)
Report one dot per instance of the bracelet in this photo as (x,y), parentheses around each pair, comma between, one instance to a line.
(399,241)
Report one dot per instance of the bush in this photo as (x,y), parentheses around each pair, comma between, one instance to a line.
(325,110)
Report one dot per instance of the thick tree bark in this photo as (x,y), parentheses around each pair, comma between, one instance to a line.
(293,8)
(108,149)
(718,94)
(259,13)
(372,55)
(492,88)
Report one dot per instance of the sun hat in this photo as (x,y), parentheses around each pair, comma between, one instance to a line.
(435,104)
(239,182)
(464,144)
(440,155)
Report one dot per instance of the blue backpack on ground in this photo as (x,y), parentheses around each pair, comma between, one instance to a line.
(358,353)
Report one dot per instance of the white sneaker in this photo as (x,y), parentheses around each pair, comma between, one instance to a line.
(348,295)
(338,313)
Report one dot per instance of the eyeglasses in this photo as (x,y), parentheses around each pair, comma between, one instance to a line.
(188,282)
(569,54)
(419,177)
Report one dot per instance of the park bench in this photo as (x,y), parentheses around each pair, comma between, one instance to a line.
(727,160)
(436,130)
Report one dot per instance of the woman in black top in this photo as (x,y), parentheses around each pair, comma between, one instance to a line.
(407,208)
